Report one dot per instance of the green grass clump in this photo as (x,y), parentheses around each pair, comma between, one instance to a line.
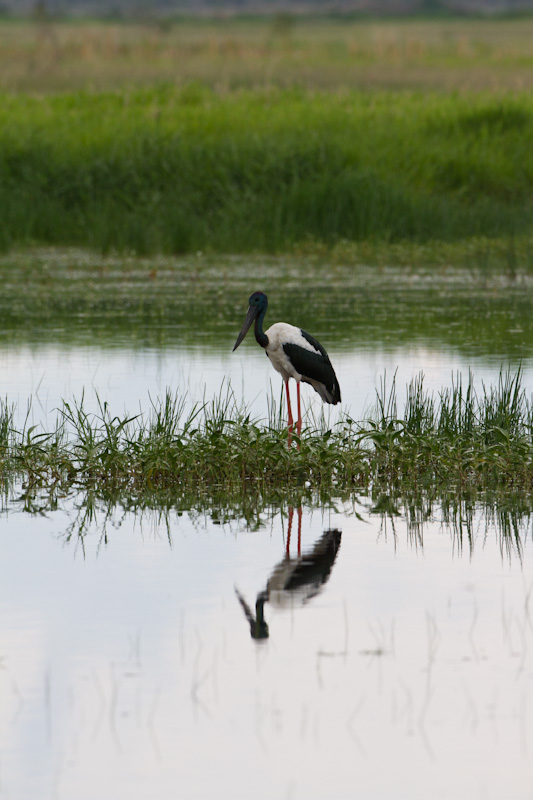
(176,171)
(460,440)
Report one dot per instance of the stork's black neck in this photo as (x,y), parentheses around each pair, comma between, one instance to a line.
(260,336)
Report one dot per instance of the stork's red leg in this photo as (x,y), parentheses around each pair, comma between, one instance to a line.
(299,421)
(291,421)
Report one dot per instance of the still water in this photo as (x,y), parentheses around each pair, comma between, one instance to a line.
(397,664)
(127,331)
(42,376)
(335,651)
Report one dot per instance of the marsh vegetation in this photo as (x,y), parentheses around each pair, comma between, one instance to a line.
(454,430)
(459,439)
(175,171)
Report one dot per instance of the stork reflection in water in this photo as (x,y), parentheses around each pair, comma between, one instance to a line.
(295,580)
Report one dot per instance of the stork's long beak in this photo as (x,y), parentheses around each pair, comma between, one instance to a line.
(251,314)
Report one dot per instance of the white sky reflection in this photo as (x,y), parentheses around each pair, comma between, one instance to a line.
(128,670)
(128,379)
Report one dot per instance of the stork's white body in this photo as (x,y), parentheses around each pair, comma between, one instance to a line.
(279,334)
(282,333)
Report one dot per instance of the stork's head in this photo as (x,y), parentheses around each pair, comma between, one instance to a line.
(258,300)
(257,304)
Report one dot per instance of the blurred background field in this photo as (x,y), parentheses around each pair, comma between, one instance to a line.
(46,55)
(266,134)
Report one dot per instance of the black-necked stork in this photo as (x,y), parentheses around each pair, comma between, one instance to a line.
(294,354)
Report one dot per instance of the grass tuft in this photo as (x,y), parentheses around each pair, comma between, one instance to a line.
(458,439)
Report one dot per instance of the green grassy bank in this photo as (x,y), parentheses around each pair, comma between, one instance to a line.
(179,170)
(458,441)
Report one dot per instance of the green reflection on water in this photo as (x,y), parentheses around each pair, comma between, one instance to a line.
(76,298)
(467,516)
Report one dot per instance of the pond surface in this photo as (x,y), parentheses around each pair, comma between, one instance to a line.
(397,663)
(364,648)
(125,331)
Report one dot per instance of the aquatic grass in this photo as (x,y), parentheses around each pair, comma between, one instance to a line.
(463,436)
(6,425)
(462,439)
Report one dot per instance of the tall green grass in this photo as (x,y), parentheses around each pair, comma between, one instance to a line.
(460,440)
(183,170)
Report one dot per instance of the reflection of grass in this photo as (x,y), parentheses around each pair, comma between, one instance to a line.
(181,171)
(459,440)
(281,51)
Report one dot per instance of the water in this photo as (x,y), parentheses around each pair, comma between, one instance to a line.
(399,664)
(128,667)
(42,376)
(126,331)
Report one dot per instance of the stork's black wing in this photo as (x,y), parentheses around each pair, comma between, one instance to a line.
(315,367)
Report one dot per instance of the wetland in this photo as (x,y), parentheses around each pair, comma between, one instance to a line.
(153,623)
(189,606)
